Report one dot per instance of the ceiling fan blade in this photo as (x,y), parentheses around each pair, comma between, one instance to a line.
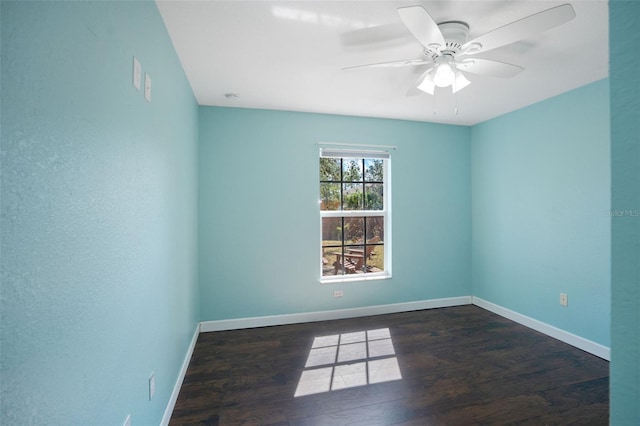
(489,67)
(392,64)
(523,28)
(421,25)
(420,86)
(414,91)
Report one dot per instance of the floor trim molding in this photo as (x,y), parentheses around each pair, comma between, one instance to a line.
(183,371)
(564,336)
(265,321)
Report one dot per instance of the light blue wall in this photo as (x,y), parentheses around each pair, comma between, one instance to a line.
(98,215)
(99,195)
(625,199)
(541,194)
(259,220)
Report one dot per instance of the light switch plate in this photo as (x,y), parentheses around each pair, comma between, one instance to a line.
(137,73)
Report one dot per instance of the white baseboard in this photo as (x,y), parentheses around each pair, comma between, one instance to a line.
(564,336)
(183,371)
(239,323)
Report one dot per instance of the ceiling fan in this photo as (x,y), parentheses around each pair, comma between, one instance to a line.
(446,46)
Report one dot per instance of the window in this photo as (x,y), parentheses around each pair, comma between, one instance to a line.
(354,210)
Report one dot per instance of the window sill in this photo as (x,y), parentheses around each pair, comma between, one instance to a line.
(330,279)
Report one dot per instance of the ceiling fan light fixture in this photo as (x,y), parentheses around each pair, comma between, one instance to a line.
(445,75)
(460,82)
(427,84)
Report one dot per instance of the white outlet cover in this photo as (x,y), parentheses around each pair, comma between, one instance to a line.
(137,73)
(564,299)
(147,87)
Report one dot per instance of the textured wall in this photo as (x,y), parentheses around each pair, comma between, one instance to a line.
(98,213)
(541,200)
(260,224)
(99,194)
(625,200)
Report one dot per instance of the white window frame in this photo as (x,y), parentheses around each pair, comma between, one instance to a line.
(385,213)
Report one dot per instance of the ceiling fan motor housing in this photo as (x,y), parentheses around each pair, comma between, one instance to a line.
(455,34)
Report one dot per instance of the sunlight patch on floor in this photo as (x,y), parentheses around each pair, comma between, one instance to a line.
(348,360)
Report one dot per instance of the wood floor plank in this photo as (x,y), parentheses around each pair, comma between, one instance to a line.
(460,365)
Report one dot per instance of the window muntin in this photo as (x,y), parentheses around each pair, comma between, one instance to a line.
(354,214)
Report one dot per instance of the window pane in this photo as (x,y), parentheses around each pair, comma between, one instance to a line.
(331,245)
(329,196)
(375,261)
(331,231)
(352,169)
(373,196)
(353,197)
(330,169)
(375,235)
(375,228)
(373,170)
(353,230)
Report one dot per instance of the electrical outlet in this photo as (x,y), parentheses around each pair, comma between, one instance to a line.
(564,299)
(338,293)
(127,421)
(152,385)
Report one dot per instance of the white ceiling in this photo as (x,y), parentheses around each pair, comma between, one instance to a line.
(289,55)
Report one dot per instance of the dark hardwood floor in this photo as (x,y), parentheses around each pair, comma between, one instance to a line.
(450,366)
